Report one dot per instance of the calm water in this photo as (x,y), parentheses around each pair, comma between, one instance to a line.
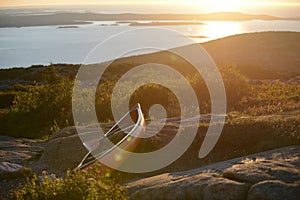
(42,45)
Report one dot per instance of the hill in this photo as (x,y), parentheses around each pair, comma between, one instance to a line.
(263,55)
(259,55)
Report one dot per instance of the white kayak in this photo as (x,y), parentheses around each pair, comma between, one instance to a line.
(123,134)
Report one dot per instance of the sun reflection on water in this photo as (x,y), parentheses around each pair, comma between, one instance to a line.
(214,29)
(221,29)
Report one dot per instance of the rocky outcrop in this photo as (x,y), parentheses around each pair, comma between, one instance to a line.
(269,175)
(226,189)
(295,80)
(17,157)
(210,185)
(64,151)
(19,150)
(6,167)
(275,190)
(18,153)
(262,170)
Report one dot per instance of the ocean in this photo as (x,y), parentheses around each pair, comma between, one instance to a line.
(26,46)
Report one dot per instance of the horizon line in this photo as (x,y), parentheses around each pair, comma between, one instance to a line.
(247,3)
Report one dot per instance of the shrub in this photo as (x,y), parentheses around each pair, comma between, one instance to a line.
(6,99)
(236,85)
(37,108)
(271,98)
(80,185)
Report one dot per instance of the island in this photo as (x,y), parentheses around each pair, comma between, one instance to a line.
(71,18)
(68,27)
(164,23)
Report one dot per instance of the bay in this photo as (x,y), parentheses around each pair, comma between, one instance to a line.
(26,46)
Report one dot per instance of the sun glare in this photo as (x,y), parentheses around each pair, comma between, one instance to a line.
(210,5)
(216,29)
(220,5)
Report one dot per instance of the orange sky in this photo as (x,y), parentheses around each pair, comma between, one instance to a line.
(4,3)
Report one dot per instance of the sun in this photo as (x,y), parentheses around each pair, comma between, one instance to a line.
(217,5)
(222,5)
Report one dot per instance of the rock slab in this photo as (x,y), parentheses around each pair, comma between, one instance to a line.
(7,167)
(269,175)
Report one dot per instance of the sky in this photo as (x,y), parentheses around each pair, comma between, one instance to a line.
(4,3)
(279,8)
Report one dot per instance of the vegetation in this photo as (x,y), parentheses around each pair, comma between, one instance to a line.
(271,98)
(21,174)
(44,105)
(240,137)
(256,134)
(41,108)
(78,186)
(262,114)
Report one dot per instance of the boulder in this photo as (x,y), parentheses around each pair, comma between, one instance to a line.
(268,175)
(274,190)
(226,190)
(261,170)
(63,153)
(173,186)
(65,132)
(206,185)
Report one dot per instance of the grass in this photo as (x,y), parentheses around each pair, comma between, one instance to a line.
(271,98)
(241,137)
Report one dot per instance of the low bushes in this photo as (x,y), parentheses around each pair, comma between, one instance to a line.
(89,184)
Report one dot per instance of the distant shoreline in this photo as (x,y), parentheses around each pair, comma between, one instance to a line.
(68,27)
(69,18)
(164,23)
